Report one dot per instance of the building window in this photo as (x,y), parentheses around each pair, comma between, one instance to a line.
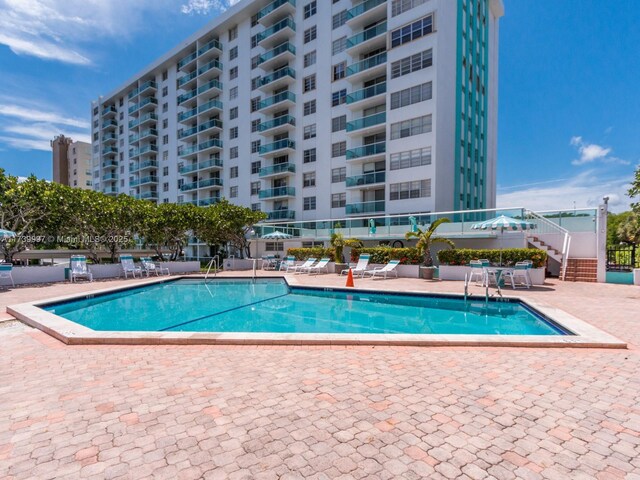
(165,139)
(165,91)
(410,158)
(165,187)
(409,96)
(274,246)
(255,103)
(310,107)
(255,188)
(165,75)
(233,133)
(338,175)
(401,6)
(309,59)
(255,207)
(309,83)
(338,200)
(233,192)
(165,155)
(339,19)
(339,97)
(309,155)
(255,125)
(233,113)
(339,45)
(233,93)
(339,71)
(233,53)
(255,146)
(165,123)
(339,123)
(165,107)
(233,152)
(165,171)
(233,73)
(407,190)
(255,82)
(310,34)
(339,149)
(412,32)
(309,203)
(233,33)
(411,64)
(233,172)
(309,179)
(255,167)
(309,131)
(408,128)
(310,9)
(255,61)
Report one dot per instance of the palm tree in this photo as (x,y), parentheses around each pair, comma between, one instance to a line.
(426,240)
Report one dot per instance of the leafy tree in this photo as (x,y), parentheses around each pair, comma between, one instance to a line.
(168,226)
(634,191)
(629,230)
(426,239)
(613,224)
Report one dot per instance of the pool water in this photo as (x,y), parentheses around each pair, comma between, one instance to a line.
(270,305)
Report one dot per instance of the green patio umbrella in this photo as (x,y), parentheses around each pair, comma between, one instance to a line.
(277,235)
(503,223)
(7,233)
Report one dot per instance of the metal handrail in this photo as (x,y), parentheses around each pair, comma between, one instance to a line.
(566,238)
(214,261)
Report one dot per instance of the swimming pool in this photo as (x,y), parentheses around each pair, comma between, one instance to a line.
(272,306)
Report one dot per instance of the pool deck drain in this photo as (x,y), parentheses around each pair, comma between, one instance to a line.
(71,333)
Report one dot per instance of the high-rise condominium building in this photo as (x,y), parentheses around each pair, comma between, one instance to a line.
(314,109)
(72,162)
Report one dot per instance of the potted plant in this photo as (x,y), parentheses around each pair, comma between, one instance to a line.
(337,243)
(426,239)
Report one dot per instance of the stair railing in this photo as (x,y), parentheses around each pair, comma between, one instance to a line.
(560,235)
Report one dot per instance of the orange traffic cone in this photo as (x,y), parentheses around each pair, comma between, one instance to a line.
(350,279)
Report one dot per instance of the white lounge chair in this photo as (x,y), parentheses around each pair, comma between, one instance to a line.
(128,266)
(79,269)
(361,266)
(304,266)
(149,267)
(318,267)
(518,275)
(384,271)
(5,272)
(288,263)
(477,272)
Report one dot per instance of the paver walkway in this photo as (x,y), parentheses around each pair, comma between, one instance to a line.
(325,412)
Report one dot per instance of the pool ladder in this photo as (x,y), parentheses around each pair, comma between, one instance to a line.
(467,279)
(214,261)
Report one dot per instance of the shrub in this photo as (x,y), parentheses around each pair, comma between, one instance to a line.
(314,252)
(407,256)
(462,256)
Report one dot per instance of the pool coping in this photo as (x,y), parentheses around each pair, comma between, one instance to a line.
(71,333)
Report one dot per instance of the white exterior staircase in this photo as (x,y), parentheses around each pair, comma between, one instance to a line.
(551,238)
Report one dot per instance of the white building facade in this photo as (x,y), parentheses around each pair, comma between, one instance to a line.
(314,109)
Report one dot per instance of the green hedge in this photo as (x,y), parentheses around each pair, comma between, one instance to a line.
(407,256)
(462,256)
(314,252)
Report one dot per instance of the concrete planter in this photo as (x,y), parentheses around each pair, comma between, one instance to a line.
(457,272)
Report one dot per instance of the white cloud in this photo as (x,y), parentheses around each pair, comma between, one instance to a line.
(31,114)
(592,152)
(203,7)
(26,143)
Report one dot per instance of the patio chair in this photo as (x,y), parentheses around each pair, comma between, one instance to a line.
(78,268)
(478,272)
(304,266)
(128,266)
(384,271)
(287,263)
(269,262)
(361,266)
(518,275)
(149,267)
(5,272)
(318,267)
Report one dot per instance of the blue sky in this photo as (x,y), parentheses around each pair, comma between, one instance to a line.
(569,112)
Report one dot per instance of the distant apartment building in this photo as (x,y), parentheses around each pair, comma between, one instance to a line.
(72,162)
(314,109)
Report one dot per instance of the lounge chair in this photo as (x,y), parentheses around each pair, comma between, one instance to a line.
(519,272)
(477,271)
(5,272)
(384,271)
(287,263)
(361,267)
(318,267)
(149,267)
(128,266)
(304,266)
(79,269)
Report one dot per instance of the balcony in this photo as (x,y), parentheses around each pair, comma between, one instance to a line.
(208,67)
(109,124)
(277,125)
(109,111)
(146,86)
(278,170)
(278,192)
(278,79)
(110,151)
(210,125)
(151,195)
(109,138)
(210,105)
(185,80)
(366,12)
(210,85)
(367,125)
(360,99)
(205,202)
(206,165)
(210,182)
(193,150)
(371,38)
(143,120)
(364,207)
(149,102)
(110,190)
(280,101)
(367,151)
(144,181)
(371,66)
(191,95)
(210,46)
(277,33)
(183,116)
(184,62)
(186,133)
(149,133)
(284,214)
(276,9)
(283,53)
(109,177)
(147,149)
(359,181)
(277,148)
(110,164)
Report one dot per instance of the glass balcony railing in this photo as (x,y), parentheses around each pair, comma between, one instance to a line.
(149,84)
(281,25)
(149,116)
(210,182)
(367,92)
(110,190)
(277,75)
(214,162)
(367,150)
(109,136)
(147,164)
(277,122)
(188,59)
(182,116)
(367,63)
(280,49)
(183,133)
(143,181)
(142,150)
(367,34)
(189,186)
(209,46)
(110,164)
(273,6)
(152,195)
(365,207)
(110,177)
(279,145)
(184,151)
(278,192)
(108,110)
(281,215)
(187,78)
(209,85)
(209,105)
(187,96)
(143,103)
(366,179)
(205,202)
(215,123)
(214,142)
(208,66)
(151,132)
(279,168)
(109,123)
(366,122)
(110,150)
(280,97)
(364,7)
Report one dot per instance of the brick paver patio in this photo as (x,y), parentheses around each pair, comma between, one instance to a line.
(325,412)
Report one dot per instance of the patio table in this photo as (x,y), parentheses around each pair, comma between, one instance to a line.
(499,271)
